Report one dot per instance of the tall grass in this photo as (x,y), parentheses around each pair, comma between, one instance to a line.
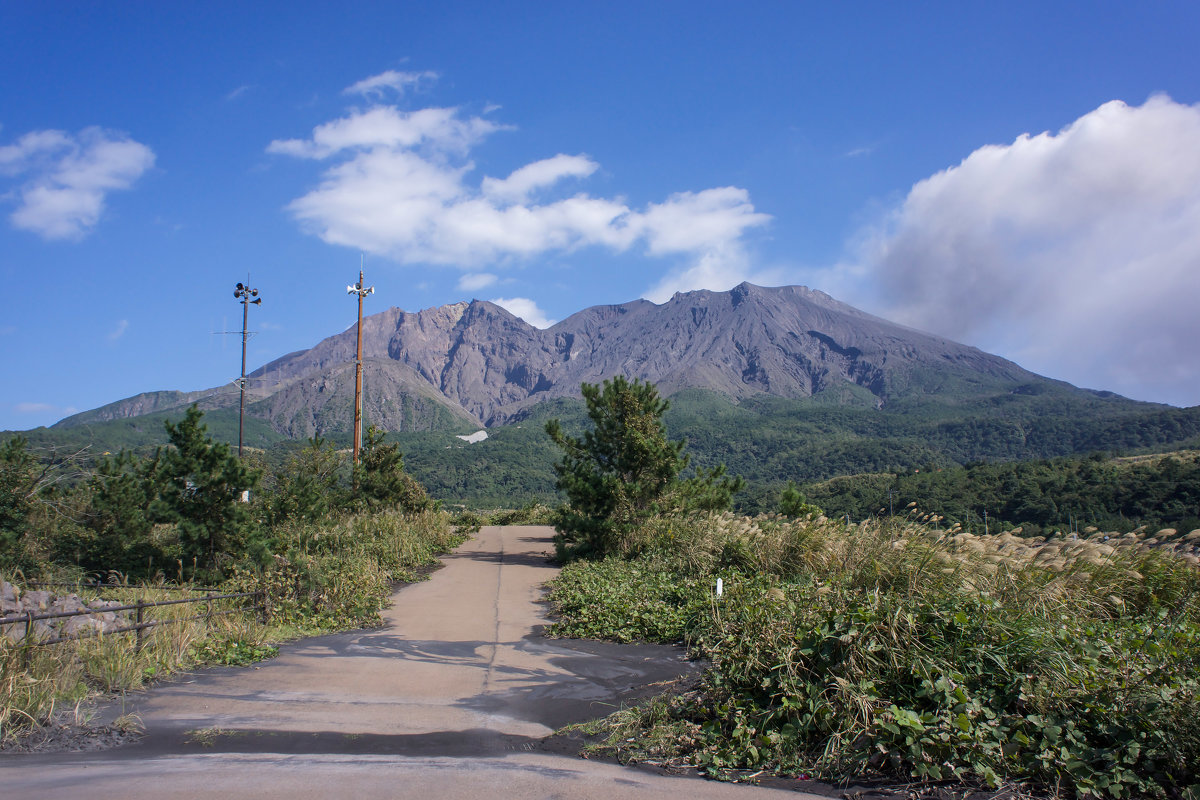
(330,575)
(900,647)
(339,573)
(36,681)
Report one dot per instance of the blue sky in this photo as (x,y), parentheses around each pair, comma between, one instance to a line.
(1023,177)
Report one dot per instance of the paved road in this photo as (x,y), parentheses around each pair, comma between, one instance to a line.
(450,699)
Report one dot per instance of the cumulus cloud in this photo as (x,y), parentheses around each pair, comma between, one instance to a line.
(473,281)
(64,180)
(1075,253)
(526,309)
(401,184)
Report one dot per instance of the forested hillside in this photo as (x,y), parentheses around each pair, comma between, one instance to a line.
(769,441)
(1064,494)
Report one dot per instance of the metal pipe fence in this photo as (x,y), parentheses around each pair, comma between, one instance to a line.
(100,585)
(140,623)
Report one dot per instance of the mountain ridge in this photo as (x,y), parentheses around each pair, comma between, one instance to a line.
(476,364)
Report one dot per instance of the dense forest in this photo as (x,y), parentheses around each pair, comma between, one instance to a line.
(1064,494)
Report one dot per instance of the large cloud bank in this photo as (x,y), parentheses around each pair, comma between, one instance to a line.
(1076,253)
(401,184)
(62,181)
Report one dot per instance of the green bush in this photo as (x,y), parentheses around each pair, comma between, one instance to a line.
(627,601)
(339,573)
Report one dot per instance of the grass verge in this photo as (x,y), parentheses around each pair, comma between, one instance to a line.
(899,648)
(335,575)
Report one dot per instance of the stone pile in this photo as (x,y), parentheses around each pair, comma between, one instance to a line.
(96,619)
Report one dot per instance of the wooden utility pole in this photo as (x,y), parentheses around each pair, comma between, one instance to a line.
(362,292)
(243,292)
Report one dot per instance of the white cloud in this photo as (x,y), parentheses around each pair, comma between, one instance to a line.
(1075,253)
(716,271)
(387,128)
(474,281)
(401,184)
(398,82)
(701,222)
(119,331)
(526,309)
(540,174)
(68,178)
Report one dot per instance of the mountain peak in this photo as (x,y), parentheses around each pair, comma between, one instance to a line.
(483,363)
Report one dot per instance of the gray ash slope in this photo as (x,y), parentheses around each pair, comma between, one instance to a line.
(476,364)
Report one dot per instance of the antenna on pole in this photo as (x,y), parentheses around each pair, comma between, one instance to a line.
(247,297)
(361,291)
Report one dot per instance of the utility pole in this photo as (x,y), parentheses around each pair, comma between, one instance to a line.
(243,293)
(362,292)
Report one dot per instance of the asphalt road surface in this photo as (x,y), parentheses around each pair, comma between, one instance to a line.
(451,698)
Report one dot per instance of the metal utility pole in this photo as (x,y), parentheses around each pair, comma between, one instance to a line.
(362,292)
(243,293)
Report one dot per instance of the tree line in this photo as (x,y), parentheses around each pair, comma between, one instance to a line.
(192,507)
(1062,494)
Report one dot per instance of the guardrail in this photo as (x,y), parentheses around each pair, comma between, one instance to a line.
(140,623)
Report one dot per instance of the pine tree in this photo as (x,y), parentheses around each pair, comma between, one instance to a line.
(308,487)
(380,480)
(793,504)
(200,487)
(625,470)
(119,519)
(18,485)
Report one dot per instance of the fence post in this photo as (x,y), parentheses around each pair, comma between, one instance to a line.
(27,642)
(208,611)
(137,647)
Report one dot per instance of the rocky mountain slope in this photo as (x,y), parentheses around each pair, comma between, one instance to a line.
(476,364)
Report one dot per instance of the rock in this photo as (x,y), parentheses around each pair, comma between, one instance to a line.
(9,602)
(69,603)
(75,626)
(38,600)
